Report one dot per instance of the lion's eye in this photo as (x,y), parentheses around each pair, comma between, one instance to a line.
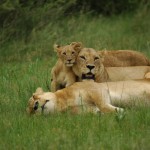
(82,57)
(36,105)
(96,58)
(64,53)
(73,52)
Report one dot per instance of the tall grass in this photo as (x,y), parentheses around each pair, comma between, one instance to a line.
(118,32)
(26,65)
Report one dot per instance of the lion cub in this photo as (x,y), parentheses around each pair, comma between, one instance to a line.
(62,74)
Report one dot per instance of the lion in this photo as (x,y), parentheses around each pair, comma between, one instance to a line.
(90,66)
(147,75)
(62,74)
(106,97)
(124,58)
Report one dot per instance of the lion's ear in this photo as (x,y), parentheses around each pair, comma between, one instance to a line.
(77,46)
(39,90)
(35,96)
(56,47)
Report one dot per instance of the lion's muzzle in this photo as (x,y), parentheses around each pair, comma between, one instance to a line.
(88,76)
(90,67)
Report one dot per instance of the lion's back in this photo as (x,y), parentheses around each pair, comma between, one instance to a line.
(123,58)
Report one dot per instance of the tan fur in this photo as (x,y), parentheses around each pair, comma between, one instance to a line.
(124,58)
(86,60)
(61,73)
(147,75)
(89,94)
(127,73)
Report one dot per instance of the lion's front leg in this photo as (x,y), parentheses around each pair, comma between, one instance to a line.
(70,79)
(103,102)
(53,86)
(110,108)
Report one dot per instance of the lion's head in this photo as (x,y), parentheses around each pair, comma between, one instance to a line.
(89,63)
(68,53)
(41,102)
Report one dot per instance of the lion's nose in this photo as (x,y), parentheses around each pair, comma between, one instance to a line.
(69,60)
(90,67)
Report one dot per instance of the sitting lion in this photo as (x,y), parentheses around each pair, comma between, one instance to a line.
(89,65)
(124,58)
(62,74)
(102,97)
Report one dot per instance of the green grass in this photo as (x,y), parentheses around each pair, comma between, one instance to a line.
(26,65)
(121,32)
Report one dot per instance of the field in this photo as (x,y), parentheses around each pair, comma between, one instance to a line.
(26,65)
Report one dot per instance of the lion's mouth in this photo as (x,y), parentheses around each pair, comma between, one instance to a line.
(88,76)
(69,64)
(43,106)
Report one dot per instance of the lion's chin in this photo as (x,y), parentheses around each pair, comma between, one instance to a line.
(88,76)
(69,65)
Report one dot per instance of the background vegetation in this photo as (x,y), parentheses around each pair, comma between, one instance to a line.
(28,30)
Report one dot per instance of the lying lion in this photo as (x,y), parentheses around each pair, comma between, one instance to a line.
(62,74)
(122,58)
(89,65)
(82,96)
